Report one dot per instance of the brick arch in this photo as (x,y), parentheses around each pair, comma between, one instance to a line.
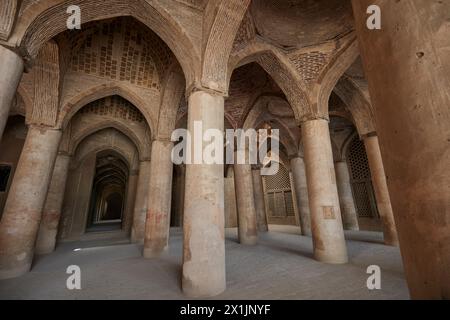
(70,108)
(285,138)
(78,137)
(221,37)
(333,71)
(125,149)
(45,19)
(281,71)
(357,104)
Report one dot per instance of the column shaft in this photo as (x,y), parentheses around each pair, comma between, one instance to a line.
(159,200)
(346,201)
(326,221)
(260,204)
(127,220)
(51,214)
(204,234)
(11,66)
(301,194)
(22,214)
(381,190)
(140,204)
(408,72)
(247,226)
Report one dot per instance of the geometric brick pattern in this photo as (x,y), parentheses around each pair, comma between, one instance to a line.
(120,49)
(114,106)
(310,64)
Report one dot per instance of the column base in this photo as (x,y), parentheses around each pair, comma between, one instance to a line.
(306,233)
(44,251)
(249,241)
(15,272)
(150,253)
(330,260)
(200,291)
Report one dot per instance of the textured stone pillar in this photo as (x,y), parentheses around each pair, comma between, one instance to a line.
(22,214)
(346,201)
(260,204)
(247,225)
(130,199)
(230,200)
(140,203)
(381,190)
(51,214)
(408,71)
(326,221)
(159,200)
(301,194)
(204,234)
(11,66)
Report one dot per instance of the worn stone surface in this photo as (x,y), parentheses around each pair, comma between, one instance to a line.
(12,66)
(408,75)
(381,190)
(326,221)
(203,225)
(141,203)
(247,220)
(51,214)
(301,190)
(260,204)
(348,210)
(23,209)
(159,202)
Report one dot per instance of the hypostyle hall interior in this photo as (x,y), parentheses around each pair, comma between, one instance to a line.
(93,206)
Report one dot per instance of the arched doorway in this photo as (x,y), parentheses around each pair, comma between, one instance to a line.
(108,192)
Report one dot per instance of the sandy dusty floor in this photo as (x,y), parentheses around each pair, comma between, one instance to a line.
(279,267)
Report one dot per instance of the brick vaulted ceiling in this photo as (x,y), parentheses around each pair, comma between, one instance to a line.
(121,49)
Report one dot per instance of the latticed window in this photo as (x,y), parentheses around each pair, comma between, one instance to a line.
(279,198)
(361,180)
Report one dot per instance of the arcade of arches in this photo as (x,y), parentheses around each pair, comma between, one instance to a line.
(86,118)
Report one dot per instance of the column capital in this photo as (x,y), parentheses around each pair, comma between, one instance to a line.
(295,156)
(27,61)
(63,153)
(195,87)
(369,135)
(43,127)
(308,118)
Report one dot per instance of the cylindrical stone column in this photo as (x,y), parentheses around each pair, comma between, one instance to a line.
(346,201)
(260,204)
(127,219)
(408,71)
(159,200)
(140,203)
(51,214)
(23,210)
(247,225)
(301,194)
(381,190)
(11,66)
(326,221)
(204,233)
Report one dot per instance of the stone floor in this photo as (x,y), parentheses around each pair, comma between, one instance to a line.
(279,267)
